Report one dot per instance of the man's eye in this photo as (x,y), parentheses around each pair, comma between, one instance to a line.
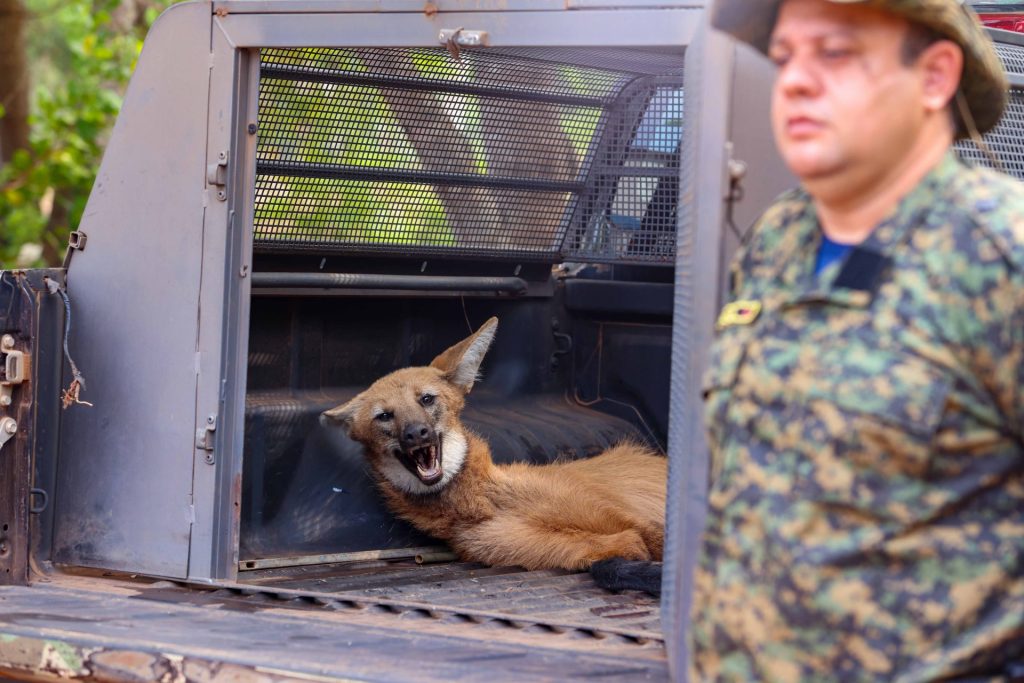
(778,59)
(833,54)
(383,417)
(427,399)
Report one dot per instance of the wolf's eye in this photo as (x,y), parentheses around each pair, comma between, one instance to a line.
(427,399)
(383,417)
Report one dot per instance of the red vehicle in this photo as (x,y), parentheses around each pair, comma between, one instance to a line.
(1008,16)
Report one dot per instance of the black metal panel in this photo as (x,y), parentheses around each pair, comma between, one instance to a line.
(621,368)
(610,298)
(31,318)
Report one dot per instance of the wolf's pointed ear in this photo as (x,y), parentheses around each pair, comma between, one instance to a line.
(342,416)
(461,363)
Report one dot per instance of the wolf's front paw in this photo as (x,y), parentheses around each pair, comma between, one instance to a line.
(617,574)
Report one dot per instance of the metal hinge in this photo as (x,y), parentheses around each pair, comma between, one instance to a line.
(15,369)
(76,242)
(8,428)
(217,175)
(456,38)
(204,437)
(734,172)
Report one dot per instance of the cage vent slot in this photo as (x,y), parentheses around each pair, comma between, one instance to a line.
(410,152)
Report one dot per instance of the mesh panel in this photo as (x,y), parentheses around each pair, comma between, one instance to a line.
(434,67)
(1004,140)
(318,126)
(629,211)
(303,213)
(638,61)
(1012,56)
(366,150)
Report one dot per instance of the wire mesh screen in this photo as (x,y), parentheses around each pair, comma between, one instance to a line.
(1012,57)
(1004,139)
(473,70)
(629,211)
(414,152)
(646,61)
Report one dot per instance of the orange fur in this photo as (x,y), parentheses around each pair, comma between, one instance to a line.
(563,515)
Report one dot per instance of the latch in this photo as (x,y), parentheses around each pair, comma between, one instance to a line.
(217,175)
(456,38)
(15,369)
(204,437)
(734,172)
(563,343)
(76,242)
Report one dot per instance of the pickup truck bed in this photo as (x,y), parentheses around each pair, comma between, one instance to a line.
(452,622)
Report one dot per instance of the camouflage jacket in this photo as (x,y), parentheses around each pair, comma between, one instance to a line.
(866,509)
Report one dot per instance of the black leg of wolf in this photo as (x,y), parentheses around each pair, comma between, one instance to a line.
(617,574)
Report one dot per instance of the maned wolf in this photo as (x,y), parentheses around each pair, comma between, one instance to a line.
(439,476)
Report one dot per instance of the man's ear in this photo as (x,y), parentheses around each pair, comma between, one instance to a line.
(461,363)
(343,416)
(941,65)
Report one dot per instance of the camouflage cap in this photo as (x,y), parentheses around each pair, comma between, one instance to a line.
(983,84)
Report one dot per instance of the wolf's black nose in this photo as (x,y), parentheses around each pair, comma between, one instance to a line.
(416,434)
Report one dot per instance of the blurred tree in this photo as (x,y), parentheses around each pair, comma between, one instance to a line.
(80,54)
(14,80)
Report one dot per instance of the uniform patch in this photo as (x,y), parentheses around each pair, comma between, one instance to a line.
(741,312)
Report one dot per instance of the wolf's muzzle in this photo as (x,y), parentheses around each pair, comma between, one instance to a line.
(421,452)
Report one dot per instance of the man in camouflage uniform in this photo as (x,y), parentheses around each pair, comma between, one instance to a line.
(866,421)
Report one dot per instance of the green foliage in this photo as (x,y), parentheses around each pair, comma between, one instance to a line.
(80,61)
(82,55)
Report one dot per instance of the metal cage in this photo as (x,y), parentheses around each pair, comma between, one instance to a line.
(533,155)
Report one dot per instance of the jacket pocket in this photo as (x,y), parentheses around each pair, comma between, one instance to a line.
(880,409)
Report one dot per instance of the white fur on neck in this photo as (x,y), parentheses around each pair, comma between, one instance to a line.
(453,455)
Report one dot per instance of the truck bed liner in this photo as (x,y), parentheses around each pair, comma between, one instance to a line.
(552,598)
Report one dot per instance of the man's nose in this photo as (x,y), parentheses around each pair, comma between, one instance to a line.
(798,76)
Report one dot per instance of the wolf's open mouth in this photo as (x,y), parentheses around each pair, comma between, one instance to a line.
(424,462)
